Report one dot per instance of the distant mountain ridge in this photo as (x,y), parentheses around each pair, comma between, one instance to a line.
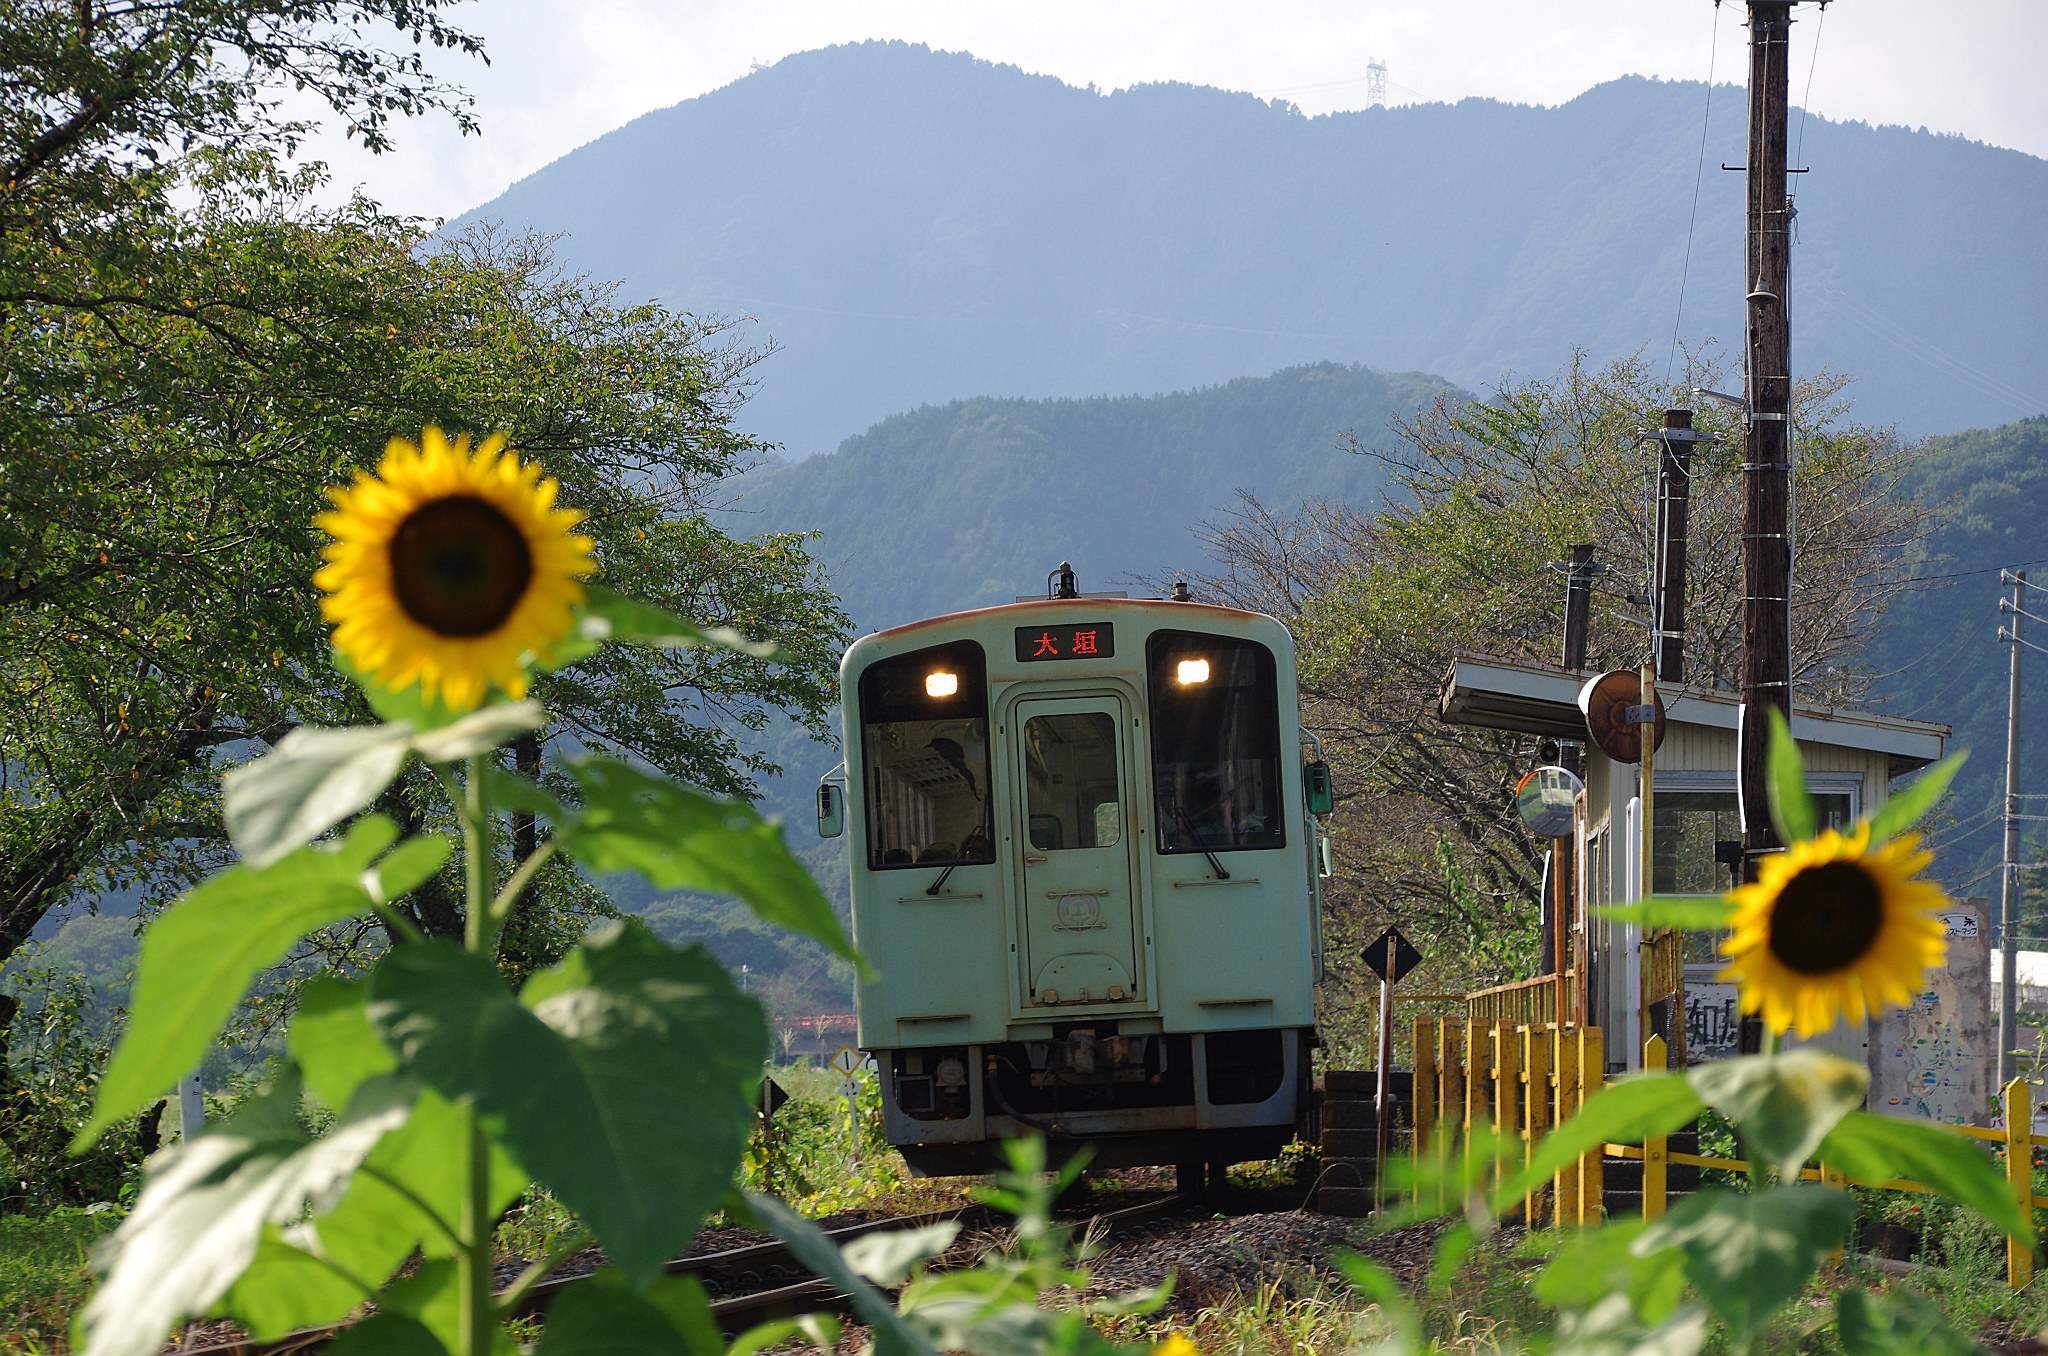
(913,227)
(971,503)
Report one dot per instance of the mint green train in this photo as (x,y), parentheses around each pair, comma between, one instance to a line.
(1085,872)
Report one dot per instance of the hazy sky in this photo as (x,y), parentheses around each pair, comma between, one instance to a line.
(566,71)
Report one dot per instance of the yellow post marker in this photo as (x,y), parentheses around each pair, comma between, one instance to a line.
(1592,1169)
(1425,1083)
(1567,1184)
(2019,1171)
(1507,1085)
(1653,1145)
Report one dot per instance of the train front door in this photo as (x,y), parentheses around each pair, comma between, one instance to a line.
(1079,921)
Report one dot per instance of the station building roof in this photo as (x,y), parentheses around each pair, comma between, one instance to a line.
(1504,694)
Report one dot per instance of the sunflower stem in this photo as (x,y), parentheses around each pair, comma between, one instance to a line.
(478,1322)
(1771,1039)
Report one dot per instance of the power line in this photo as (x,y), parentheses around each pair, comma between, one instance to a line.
(1806,99)
(1699,170)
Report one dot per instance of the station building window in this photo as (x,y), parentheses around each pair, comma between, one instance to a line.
(1697,847)
(1215,743)
(924,740)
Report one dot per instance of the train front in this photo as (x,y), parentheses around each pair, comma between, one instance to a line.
(1085,877)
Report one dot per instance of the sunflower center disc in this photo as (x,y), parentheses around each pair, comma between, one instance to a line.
(459,566)
(1826,918)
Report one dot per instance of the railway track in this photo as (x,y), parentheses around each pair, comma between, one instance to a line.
(760,1282)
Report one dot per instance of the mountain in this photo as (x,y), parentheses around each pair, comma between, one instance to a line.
(1940,648)
(914,226)
(974,502)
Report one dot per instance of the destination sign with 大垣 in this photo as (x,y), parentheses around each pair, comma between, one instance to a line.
(1084,640)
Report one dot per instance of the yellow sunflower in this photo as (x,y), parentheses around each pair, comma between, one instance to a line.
(1834,926)
(451,568)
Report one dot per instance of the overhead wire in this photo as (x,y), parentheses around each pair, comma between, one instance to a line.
(1698,176)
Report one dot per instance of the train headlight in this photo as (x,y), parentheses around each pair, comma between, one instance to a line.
(941,684)
(1193,671)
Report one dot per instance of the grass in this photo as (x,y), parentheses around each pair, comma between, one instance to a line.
(44,1277)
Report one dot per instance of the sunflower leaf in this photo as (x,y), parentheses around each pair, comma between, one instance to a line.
(311,781)
(1627,1109)
(199,956)
(480,731)
(681,839)
(1874,1148)
(1748,1254)
(609,615)
(1784,1104)
(1689,913)
(1792,811)
(1911,805)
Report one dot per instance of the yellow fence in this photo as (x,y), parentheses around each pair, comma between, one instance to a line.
(1520,1079)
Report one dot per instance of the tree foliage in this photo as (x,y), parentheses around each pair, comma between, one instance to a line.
(190,353)
(1490,493)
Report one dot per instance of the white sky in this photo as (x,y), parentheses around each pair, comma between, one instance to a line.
(564,72)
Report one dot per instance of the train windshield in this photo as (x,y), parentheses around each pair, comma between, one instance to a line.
(1215,743)
(924,739)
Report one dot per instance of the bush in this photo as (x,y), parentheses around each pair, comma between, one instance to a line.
(56,1049)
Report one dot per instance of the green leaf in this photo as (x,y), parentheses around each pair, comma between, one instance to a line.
(1377,1284)
(1897,1323)
(1792,811)
(198,958)
(682,1298)
(1594,1263)
(1784,1104)
(432,1298)
(408,707)
(1911,805)
(1687,912)
(1874,1148)
(627,1089)
(286,1288)
(1627,1109)
(681,839)
(810,1247)
(410,865)
(331,1039)
(596,1319)
(887,1258)
(1748,1255)
(480,731)
(608,615)
(310,782)
(204,1204)
(1611,1328)
(386,1334)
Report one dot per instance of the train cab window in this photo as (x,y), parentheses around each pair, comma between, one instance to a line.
(1215,743)
(1072,793)
(924,737)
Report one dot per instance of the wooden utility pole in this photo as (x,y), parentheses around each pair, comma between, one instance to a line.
(1674,502)
(1767,459)
(2009,889)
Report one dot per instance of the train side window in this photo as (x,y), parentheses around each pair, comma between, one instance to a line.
(1215,743)
(924,739)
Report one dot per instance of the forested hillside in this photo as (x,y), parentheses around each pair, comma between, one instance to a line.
(972,503)
(1941,649)
(915,227)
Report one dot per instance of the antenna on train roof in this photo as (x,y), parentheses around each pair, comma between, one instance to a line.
(1180,592)
(1065,587)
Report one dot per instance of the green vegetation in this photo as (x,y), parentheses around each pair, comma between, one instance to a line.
(44,1274)
(1484,495)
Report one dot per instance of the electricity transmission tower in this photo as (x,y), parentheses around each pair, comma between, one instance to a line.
(1375,83)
